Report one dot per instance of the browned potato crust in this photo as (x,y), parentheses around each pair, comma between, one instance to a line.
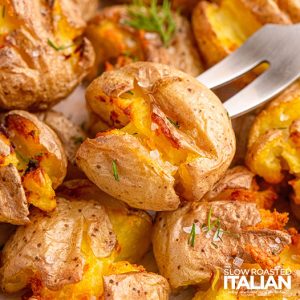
(184,262)
(32,165)
(117,43)
(239,184)
(174,133)
(43,54)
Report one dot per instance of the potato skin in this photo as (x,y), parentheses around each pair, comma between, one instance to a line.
(87,8)
(183,264)
(136,286)
(37,65)
(204,135)
(210,19)
(117,44)
(65,253)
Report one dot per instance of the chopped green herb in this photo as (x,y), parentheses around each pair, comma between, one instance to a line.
(215,245)
(58,48)
(20,156)
(176,124)
(209,219)
(83,125)
(192,236)
(115,170)
(77,139)
(130,92)
(154,19)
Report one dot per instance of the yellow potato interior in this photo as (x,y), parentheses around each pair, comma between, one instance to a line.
(37,166)
(111,42)
(232,23)
(8,21)
(133,114)
(95,268)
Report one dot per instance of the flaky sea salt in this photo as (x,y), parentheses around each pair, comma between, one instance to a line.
(238,261)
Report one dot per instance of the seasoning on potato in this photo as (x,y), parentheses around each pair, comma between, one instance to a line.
(83,249)
(43,52)
(128,33)
(32,165)
(200,239)
(170,137)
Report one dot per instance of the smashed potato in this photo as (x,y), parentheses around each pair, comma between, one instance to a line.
(32,166)
(289,259)
(118,43)
(239,184)
(44,55)
(78,251)
(194,242)
(172,137)
(220,28)
(274,140)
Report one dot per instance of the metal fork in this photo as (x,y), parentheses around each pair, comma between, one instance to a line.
(278,45)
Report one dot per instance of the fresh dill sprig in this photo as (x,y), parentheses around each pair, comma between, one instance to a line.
(176,124)
(58,48)
(115,170)
(154,18)
(77,140)
(192,236)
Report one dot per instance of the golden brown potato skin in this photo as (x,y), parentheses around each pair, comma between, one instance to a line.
(183,264)
(63,255)
(43,54)
(196,151)
(117,44)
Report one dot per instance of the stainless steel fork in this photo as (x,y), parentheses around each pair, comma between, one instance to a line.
(279,46)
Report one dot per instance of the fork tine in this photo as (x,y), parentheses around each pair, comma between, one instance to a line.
(265,87)
(233,66)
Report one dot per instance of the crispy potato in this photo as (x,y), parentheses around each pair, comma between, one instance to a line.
(274,143)
(32,165)
(65,254)
(170,126)
(221,28)
(185,259)
(239,184)
(117,44)
(289,259)
(43,54)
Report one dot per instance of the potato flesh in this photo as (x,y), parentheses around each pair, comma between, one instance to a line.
(140,123)
(277,130)
(232,23)
(24,135)
(111,43)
